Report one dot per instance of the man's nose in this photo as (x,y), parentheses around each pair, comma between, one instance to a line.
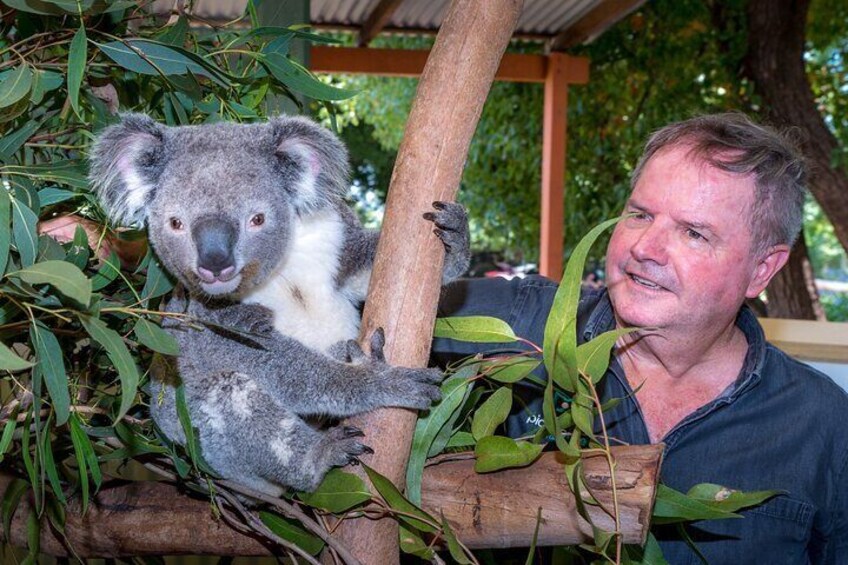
(651,245)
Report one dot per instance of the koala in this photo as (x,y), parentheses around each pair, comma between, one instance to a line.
(274,266)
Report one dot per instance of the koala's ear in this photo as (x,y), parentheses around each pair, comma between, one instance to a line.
(125,163)
(320,158)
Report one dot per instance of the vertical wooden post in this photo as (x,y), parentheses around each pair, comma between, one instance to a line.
(553,166)
(407,271)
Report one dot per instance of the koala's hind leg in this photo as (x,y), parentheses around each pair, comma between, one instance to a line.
(247,436)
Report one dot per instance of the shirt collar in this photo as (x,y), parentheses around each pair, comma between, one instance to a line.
(602,319)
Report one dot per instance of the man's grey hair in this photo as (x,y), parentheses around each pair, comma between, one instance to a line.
(732,142)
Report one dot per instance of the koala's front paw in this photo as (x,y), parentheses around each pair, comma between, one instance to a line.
(412,388)
(451,223)
(342,446)
(252,318)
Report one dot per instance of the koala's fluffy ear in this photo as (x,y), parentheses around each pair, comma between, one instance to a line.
(321,158)
(125,163)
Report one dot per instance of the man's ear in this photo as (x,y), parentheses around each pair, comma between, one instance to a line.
(766,268)
(125,163)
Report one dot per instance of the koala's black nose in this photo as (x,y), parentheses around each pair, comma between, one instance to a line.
(214,238)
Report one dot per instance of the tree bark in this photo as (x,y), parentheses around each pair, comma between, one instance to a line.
(774,62)
(155,518)
(407,271)
(792,294)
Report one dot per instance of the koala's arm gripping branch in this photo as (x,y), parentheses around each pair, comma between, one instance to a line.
(407,270)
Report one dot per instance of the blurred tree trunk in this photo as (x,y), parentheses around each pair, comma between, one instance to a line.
(774,62)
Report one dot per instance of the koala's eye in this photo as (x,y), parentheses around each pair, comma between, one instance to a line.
(257,220)
(176,224)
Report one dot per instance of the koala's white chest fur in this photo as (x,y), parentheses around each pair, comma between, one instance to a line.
(302,291)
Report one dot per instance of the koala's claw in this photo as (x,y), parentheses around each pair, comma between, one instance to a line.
(352,431)
(378,342)
(451,227)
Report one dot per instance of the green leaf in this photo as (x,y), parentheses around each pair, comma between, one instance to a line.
(593,356)
(192,445)
(292,531)
(8,435)
(509,369)
(158,280)
(532,552)
(24,222)
(153,58)
(298,79)
(11,498)
(15,85)
(50,467)
(412,543)
(651,554)
(455,550)
(54,195)
(672,506)
(560,342)
(108,272)
(497,452)
(119,355)
(477,329)
(9,361)
(427,428)
(175,34)
(52,365)
(5,229)
(81,444)
(155,338)
(492,413)
(78,253)
(33,538)
(338,492)
(396,500)
(12,141)
(727,499)
(61,275)
(77,56)
(461,439)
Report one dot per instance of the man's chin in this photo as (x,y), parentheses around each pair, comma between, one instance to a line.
(220,288)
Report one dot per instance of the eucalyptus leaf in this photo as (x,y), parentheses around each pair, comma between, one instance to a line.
(158,281)
(120,357)
(8,434)
(81,444)
(412,543)
(476,329)
(396,500)
(454,548)
(184,416)
(15,85)
(9,361)
(24,223)
(560,342)
(154,58)
(65,277)
(5,229)
(77,56)
(110,269)
(155,337)
(338,492)
(729,500)
(11,498)
(292,531)
(51,469)
(509,369)
(593,356)
(492,413)
(672,506)
(454,390)
(497,452)
(300,80)
(52,365)
(12,141)
(54,195)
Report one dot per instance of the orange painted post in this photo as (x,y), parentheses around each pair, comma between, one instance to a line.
(553,166)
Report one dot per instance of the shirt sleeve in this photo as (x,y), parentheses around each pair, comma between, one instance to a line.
(837,546)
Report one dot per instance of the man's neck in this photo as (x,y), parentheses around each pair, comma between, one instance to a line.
(676,372)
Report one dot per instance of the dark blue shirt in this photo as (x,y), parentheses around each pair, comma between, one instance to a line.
(781,425)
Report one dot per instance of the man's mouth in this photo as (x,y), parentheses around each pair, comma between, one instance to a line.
(645,282)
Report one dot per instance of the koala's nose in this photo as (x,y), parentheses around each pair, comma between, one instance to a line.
(215,239)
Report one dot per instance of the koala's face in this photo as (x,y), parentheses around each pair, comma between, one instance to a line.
(219,200)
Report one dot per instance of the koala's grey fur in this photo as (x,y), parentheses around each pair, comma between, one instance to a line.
(251,220)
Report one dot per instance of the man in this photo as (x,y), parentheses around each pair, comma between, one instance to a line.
(716,205)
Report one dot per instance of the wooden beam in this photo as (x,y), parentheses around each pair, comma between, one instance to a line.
(594,23)
(809,340)
(410,63)
(127,519)
(377,20)
(406,277)
(554,121)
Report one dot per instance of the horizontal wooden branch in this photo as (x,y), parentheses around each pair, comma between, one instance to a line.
(490,510)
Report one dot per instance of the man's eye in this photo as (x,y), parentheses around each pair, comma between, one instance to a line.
(692,234)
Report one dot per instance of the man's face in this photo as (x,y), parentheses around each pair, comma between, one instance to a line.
(684,260)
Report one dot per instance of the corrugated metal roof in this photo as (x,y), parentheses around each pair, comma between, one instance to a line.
(539,18)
